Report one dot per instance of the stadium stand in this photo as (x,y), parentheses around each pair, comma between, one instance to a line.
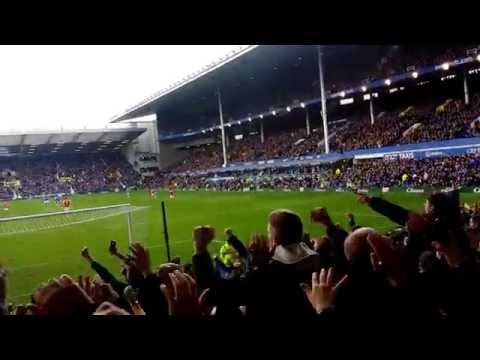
(49,163)
(446,172)
(413,114)
(81,173)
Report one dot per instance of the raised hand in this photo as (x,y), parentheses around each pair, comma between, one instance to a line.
(86,285)
(85,252)
(323,290)
(141,258)
(112,249)
(182,297)
(62,296)
(320,215)
(164,270)
(102,291)
(228,232)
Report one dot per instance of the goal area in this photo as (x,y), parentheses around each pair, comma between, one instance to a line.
(52,220)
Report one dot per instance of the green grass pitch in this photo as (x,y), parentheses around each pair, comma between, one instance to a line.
(35,257)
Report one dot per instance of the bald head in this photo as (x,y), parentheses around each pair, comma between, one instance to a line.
(356,244)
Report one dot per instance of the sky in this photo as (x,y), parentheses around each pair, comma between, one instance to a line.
(50,87)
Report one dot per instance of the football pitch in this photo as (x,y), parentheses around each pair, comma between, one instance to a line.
(35,256)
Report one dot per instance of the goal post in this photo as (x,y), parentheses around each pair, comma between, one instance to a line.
(52,220)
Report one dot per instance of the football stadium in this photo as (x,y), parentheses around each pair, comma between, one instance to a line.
(341,181)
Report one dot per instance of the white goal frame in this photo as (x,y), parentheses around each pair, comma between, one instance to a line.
(128,211)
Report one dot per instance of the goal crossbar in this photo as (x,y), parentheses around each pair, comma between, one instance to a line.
(52,220)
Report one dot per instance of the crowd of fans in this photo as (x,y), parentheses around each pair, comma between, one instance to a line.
(454,120)
(412,124)
(446,121)
(66,173)
(291,143)
(428,268)
(440,172)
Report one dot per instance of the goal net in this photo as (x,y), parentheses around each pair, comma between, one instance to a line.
(35,248)
(32,223)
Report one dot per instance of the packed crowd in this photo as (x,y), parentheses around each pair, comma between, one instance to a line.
(454,120)
(440,172)
(449,120)
(279,144)
(426,269)
(64,173)
(387,129)
(441,123)
(291,143)
(455,171)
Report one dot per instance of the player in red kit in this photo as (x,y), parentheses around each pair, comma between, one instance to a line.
(66,203)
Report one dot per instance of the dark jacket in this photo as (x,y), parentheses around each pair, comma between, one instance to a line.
(203,270)
(150,296)
(275,291)
(238,246)
(272,290)
(108,277)
(337,236)
(417,242)
(452,293)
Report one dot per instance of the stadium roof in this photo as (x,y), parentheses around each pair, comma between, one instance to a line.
(260,80)
(30,143)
